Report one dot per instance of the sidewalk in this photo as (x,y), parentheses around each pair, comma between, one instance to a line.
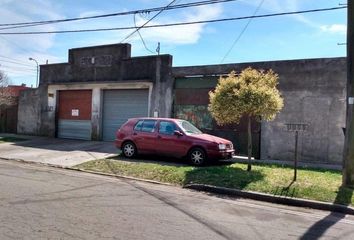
(55,151)
(68,152)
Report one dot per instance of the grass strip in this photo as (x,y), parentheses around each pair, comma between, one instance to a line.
(313,184)
(11,139)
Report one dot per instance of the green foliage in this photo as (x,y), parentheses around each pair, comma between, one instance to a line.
(253,93)
(11,139)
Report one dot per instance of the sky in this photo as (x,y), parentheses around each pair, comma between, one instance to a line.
(302,36)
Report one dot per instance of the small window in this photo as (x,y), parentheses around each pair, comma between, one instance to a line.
(138,125)
(148,126)
(167,128)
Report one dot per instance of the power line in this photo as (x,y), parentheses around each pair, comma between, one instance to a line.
(17,72)
(16,60)
(137,29)
(243,31)
(148,10)
(13,62)
(14,44)
(142,39)
(17,68)
(177,24)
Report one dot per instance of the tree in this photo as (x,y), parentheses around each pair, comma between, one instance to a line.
(253,93)
(5,96)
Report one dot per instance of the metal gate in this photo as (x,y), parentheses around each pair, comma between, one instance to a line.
(119,106)
(74,114)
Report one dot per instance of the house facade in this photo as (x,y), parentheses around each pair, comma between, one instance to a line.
(96,91)
(100,87)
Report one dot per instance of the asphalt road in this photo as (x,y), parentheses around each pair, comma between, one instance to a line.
(39,202)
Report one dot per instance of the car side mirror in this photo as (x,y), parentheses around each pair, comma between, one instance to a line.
(178,133)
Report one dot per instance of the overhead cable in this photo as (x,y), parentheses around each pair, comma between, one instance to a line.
(243,31)
(153,17)
(142,39)
(175,24)
(13,62)
(141,11)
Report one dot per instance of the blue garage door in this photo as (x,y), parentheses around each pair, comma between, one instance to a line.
(119,106)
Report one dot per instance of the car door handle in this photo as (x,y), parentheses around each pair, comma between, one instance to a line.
(135,133)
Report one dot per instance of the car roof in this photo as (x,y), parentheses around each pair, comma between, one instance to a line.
(153,118)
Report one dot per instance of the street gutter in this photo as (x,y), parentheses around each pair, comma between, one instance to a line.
(297,202)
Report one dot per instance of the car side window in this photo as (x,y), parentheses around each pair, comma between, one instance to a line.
(167,128)
(138,125)
(148,126)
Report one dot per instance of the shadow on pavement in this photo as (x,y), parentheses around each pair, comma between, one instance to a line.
(344,196)
(170,202)
(60,144)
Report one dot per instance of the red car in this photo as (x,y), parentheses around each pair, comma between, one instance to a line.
(170,137)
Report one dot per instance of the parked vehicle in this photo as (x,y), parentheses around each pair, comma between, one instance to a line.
(171,137)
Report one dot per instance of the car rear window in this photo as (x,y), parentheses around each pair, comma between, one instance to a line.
(145,125)
(138,125)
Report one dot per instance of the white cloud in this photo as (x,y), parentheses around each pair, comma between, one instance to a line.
(278,6)
(184,34)
(21,47)
(334,28)
(90,13)
(168,36)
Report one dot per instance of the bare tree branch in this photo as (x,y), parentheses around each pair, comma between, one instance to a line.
(6,98)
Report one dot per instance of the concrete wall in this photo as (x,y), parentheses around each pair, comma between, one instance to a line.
(313,92)
(98,68)
(29,111)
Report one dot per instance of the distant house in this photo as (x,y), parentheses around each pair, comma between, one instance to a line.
(14,90)
(8,107)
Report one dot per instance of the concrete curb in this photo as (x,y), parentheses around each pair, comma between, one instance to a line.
(86,171)
(298,202)
(121,176)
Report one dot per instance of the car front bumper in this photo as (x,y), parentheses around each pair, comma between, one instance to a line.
(225,154)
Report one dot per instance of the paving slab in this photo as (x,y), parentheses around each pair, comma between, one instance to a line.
(56,151)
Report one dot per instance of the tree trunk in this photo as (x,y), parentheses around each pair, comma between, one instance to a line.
(249,142)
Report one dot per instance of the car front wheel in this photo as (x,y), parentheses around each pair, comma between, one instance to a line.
(129,150)
(197,156)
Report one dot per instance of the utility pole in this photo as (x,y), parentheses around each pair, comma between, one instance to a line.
(348,155)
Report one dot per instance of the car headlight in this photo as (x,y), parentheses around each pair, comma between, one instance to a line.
(222,146)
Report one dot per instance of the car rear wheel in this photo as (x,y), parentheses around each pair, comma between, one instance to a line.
(197,156)
(129,150)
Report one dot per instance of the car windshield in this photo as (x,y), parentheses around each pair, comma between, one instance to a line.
(188,128)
